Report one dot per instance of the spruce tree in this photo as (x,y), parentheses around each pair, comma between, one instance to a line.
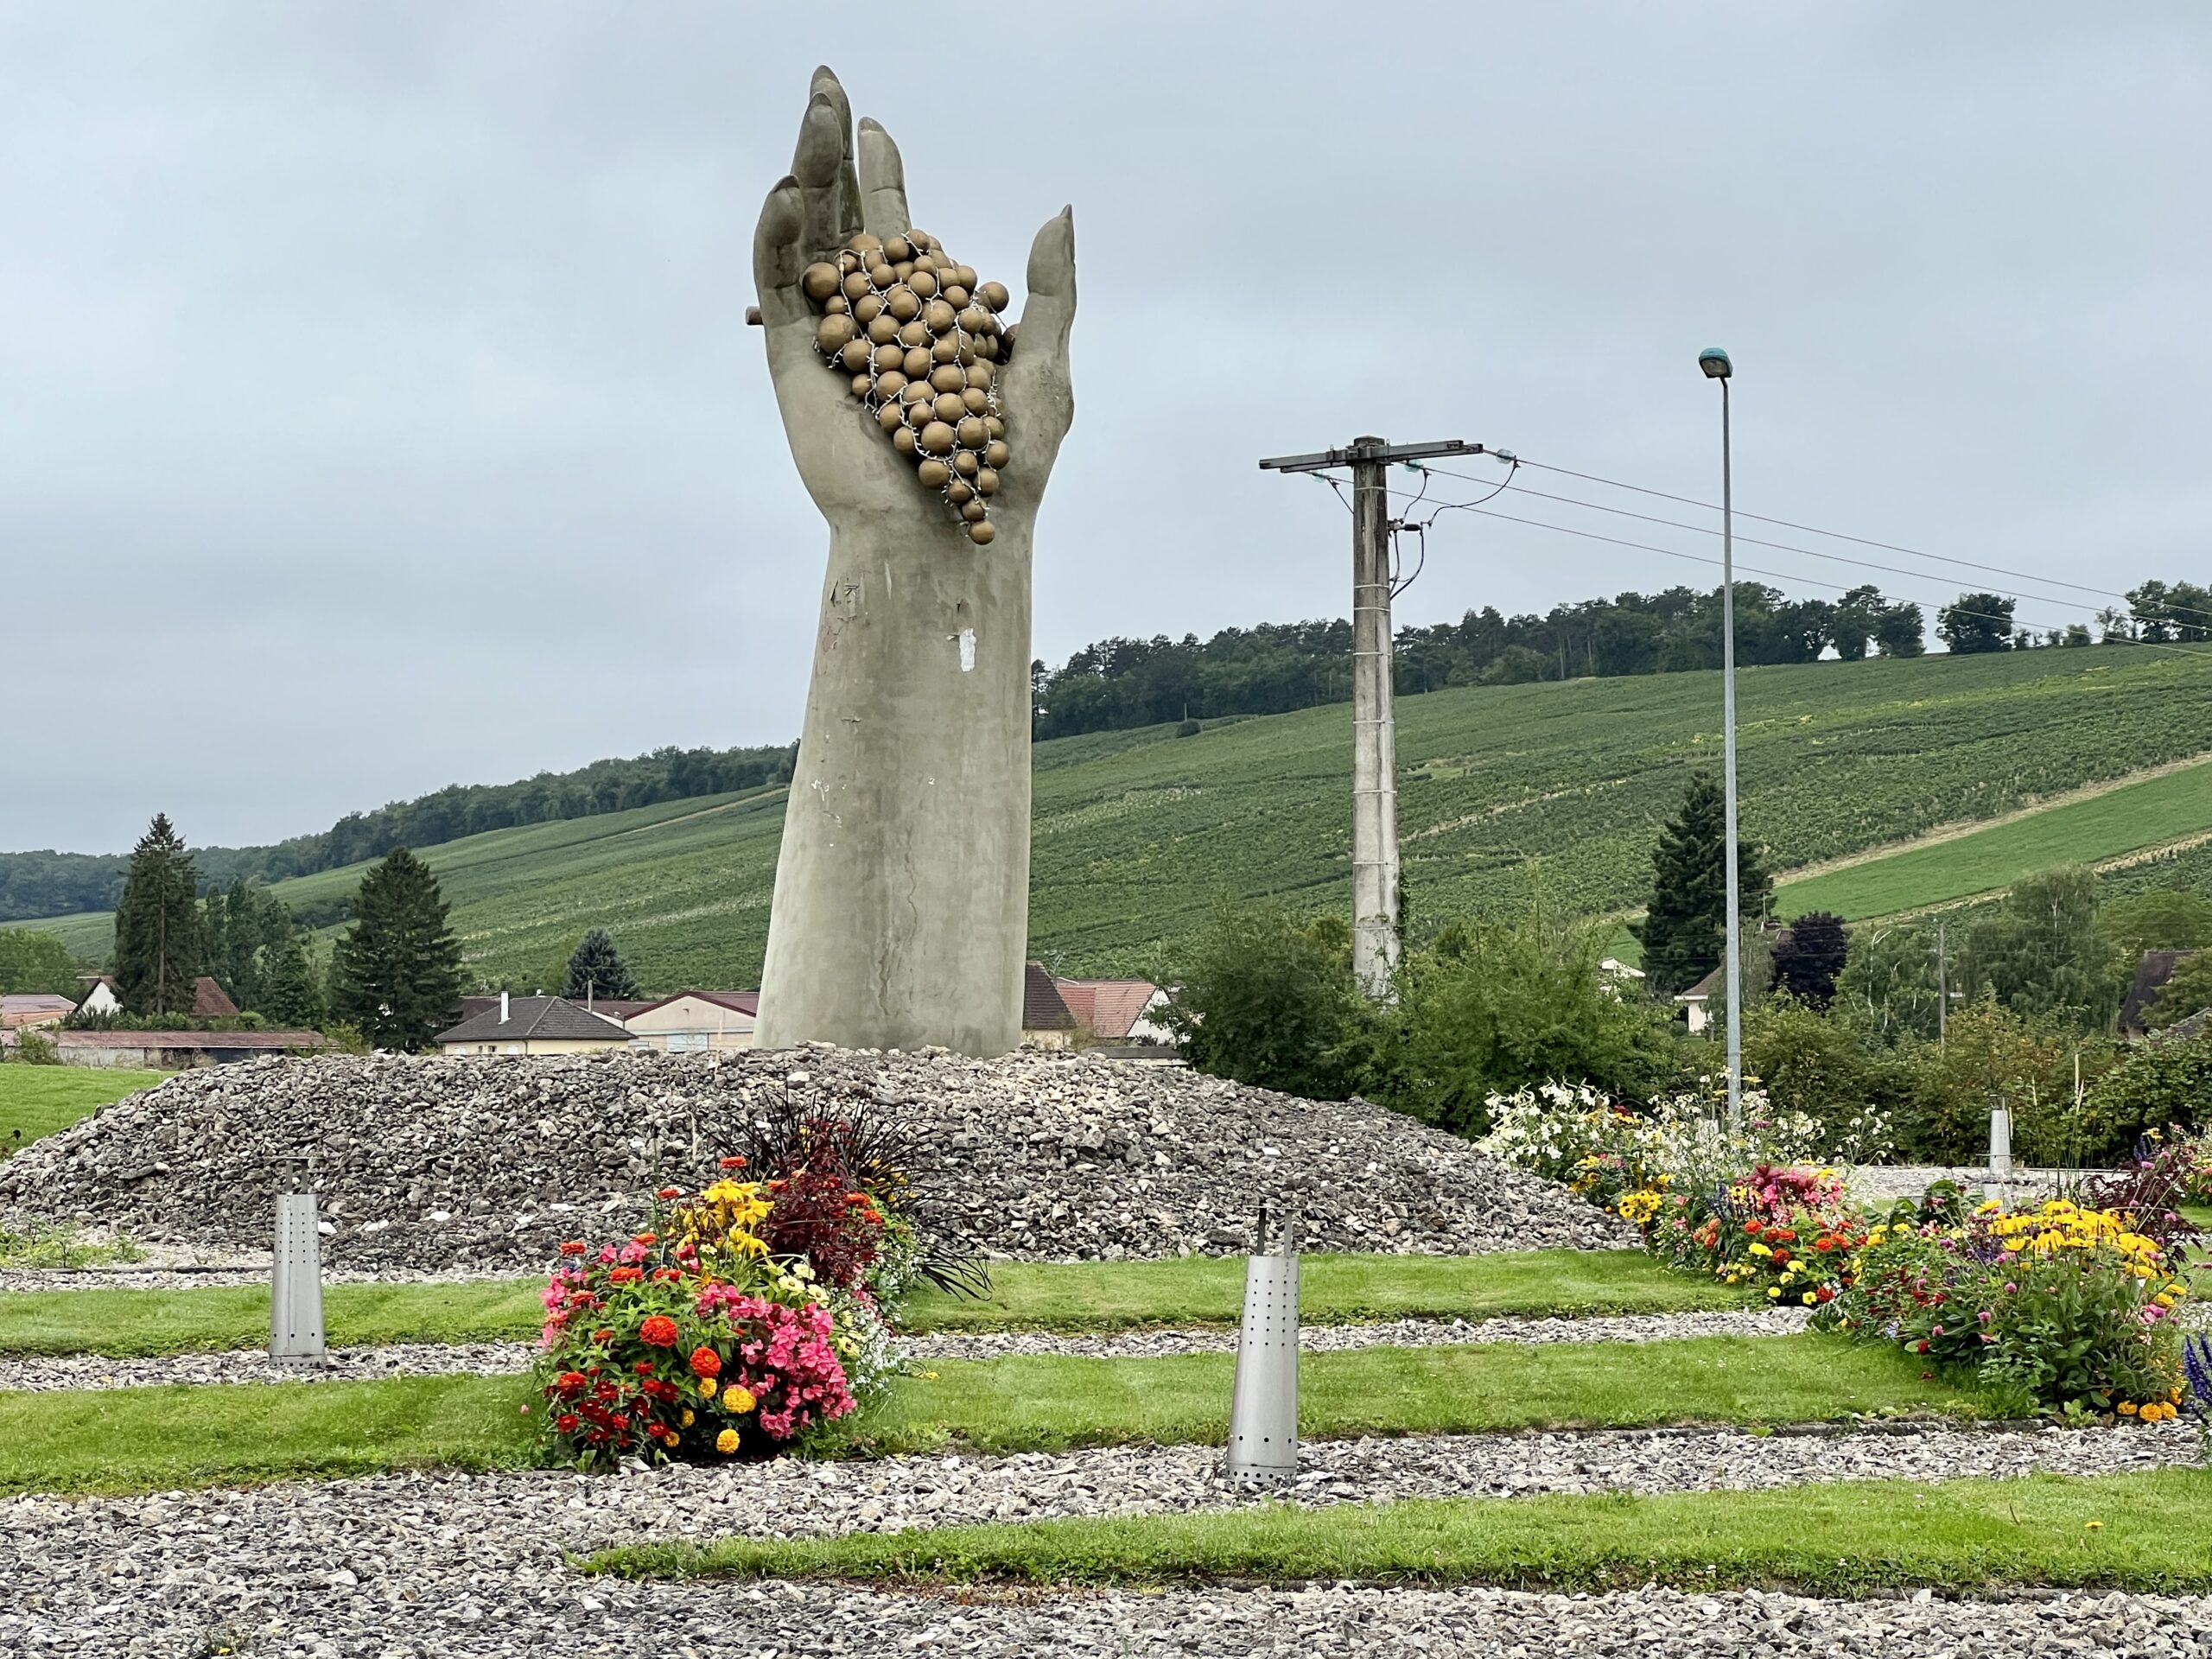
(597,972)
(157,924)
(1685,926)
(397,972)
(290,992)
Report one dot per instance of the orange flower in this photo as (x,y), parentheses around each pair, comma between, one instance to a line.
(734,1163)
(573,1247)
(660,1331)
(705,1362)
(624,1275)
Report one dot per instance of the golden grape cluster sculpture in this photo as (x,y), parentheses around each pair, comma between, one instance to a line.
(919,338)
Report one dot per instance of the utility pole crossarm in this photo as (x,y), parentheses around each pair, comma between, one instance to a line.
(1374,451)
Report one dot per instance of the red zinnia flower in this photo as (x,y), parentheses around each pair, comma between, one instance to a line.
(705,1362)
(624,1275)
(566,1422)
(659,1330)
(644,1368)
(603,1336)
(734,1163)
(644,1238)
(668,1193)
(573,1247)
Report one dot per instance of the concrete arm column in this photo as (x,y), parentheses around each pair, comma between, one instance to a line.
(901,904)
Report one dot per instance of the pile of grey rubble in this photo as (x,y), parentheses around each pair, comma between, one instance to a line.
(429,1163)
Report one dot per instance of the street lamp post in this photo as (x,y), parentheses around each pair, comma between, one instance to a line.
(1715,363)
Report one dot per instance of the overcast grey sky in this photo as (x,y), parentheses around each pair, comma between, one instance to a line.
(377,411)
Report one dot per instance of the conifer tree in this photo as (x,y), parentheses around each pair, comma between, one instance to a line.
(597,972)
(397,972)
(1685,926)
(157,924)
(291,992)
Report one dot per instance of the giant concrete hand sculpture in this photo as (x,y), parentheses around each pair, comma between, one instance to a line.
(925,433)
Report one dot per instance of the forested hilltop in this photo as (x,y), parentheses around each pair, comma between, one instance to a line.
(59,884)
(1117,684)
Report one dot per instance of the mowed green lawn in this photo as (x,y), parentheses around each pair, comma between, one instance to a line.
(148,1439)
(1086,1296)
(2139,815)
(2141,1532)
(37,1100)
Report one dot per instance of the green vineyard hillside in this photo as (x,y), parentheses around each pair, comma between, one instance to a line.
(1139,833)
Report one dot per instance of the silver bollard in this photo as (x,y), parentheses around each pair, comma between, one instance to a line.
(2000,1141)
(296,1279)
(1263,1411)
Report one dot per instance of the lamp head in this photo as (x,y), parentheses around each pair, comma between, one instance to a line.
(1714,362)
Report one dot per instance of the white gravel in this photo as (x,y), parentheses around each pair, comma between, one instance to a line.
(1391,1333)
(45,1373)
(446,1563)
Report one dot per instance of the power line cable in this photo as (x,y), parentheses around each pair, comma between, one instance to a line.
(1812,530)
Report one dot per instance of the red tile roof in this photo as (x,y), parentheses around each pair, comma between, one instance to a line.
(744,1003)
(1107,1008)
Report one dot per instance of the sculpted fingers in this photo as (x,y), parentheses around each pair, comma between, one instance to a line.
(823,166)
(883,182)
(778,255)
(1050,311)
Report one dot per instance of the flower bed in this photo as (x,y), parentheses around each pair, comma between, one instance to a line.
(2067,1308)
(742,1316)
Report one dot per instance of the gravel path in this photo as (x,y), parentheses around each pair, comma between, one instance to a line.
(440,1563)
(1390,1333)
(44,1373)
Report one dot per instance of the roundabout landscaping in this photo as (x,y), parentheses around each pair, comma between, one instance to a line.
(1576,1449)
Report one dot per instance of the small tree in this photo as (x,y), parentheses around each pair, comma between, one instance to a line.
(1889,982)
(37,962)
(1807,962)
(2043,952)
(291,992)
(1976,622)
(596,970)
(1268,1001)
(1686,923)
(157,924)
(397,972)
(1900,631)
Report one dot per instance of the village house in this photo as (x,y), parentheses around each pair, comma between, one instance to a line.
(533,1024)
(696,1021)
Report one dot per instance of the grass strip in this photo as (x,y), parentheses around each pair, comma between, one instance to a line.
(1043,1296)
(40,1100)
(1332,1290)
(2136,1532)
(1030,1403)
(149,1439)
(127,1323)
(112,1440)
(2199,1213)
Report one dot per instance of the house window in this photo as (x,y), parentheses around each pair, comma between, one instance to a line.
(688,1040)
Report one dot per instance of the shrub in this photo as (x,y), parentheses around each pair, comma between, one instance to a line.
(1497,1006)
(1188,729)
(32,1047)
(1268,1001)
(2166,1081)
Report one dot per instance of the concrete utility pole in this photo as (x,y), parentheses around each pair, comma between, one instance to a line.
(1373,724)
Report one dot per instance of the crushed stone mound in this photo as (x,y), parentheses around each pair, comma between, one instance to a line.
(434,1163)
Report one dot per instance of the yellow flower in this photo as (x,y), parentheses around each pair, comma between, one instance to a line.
(726,1442)
(738,1399)
(707,1387)
(2128,1407)
(1809,1299)
(687,1420)
(1774,1291)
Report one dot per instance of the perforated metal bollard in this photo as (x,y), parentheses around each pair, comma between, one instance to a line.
(295,1278)
(1263,1410)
